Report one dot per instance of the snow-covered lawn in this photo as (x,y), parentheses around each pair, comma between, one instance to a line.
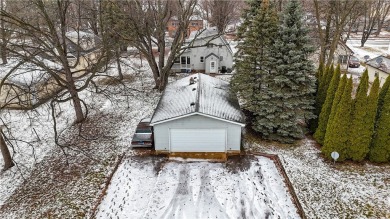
(326,190)
(148,187)
(48,183)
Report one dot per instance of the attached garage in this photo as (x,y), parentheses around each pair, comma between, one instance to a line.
(197,115)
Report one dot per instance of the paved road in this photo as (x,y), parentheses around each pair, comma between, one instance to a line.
(371,42)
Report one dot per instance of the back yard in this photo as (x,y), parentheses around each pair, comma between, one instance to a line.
(55,182)
(145,187)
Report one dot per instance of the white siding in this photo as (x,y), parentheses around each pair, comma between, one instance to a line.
(196,53)
(371,75)
(162,131)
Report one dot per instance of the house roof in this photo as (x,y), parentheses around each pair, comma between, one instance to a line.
(208,96)
(381,62)
(81,42)
(208,33)
(345,47)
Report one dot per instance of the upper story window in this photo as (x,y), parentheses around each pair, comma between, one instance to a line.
(201,59)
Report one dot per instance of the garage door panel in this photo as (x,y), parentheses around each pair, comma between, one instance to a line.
(198,140)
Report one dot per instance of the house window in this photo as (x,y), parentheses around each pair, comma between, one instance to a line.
(194,24)
(376,74)
(221,58)
(177,60)
(185,62)
(220,45)
(201,59)
(210,46)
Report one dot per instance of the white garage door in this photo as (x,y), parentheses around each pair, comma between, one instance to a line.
(198,140)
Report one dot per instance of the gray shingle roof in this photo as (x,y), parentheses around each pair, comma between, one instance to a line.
(207,96)
(384,65)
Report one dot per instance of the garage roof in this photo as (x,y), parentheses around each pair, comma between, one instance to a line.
(207,96)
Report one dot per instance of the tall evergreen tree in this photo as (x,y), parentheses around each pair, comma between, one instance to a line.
(317,108)
(380,150)
(382,95)
(336,100)
(319,135)
(363,119)
(252,66)
(291,83)
(337,132)
(322,86)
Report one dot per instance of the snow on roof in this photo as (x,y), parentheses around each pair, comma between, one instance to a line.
(208,96)
(26,74)
(204,33)
(82,41)
(208,33)
(381,62)
(192,18)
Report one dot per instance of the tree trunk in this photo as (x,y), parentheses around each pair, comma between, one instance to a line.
(8,163)
(118,63)
(75,97)
(3,53)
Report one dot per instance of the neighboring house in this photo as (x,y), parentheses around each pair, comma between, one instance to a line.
(378,67)
(209,52)
(84,46)
(197,116)
(27,86)
(196,23)
(342,54)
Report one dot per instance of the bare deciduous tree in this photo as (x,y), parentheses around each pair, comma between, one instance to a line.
(384,11)
(143,26)
(335,14)
(45,38)
(221,13)
(8,163)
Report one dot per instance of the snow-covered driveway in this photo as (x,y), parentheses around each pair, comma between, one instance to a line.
(150,187)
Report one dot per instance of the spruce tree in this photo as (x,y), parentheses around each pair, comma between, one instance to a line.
(337,132)
(289,94)
(380,150)
(253,67)
(363,119)
(319,135)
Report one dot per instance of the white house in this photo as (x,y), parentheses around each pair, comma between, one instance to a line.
(378,67)
(209,53)
(198,116)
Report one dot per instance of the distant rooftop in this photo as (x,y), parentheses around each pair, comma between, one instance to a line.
(204,33)
(207,95)
(381,62)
